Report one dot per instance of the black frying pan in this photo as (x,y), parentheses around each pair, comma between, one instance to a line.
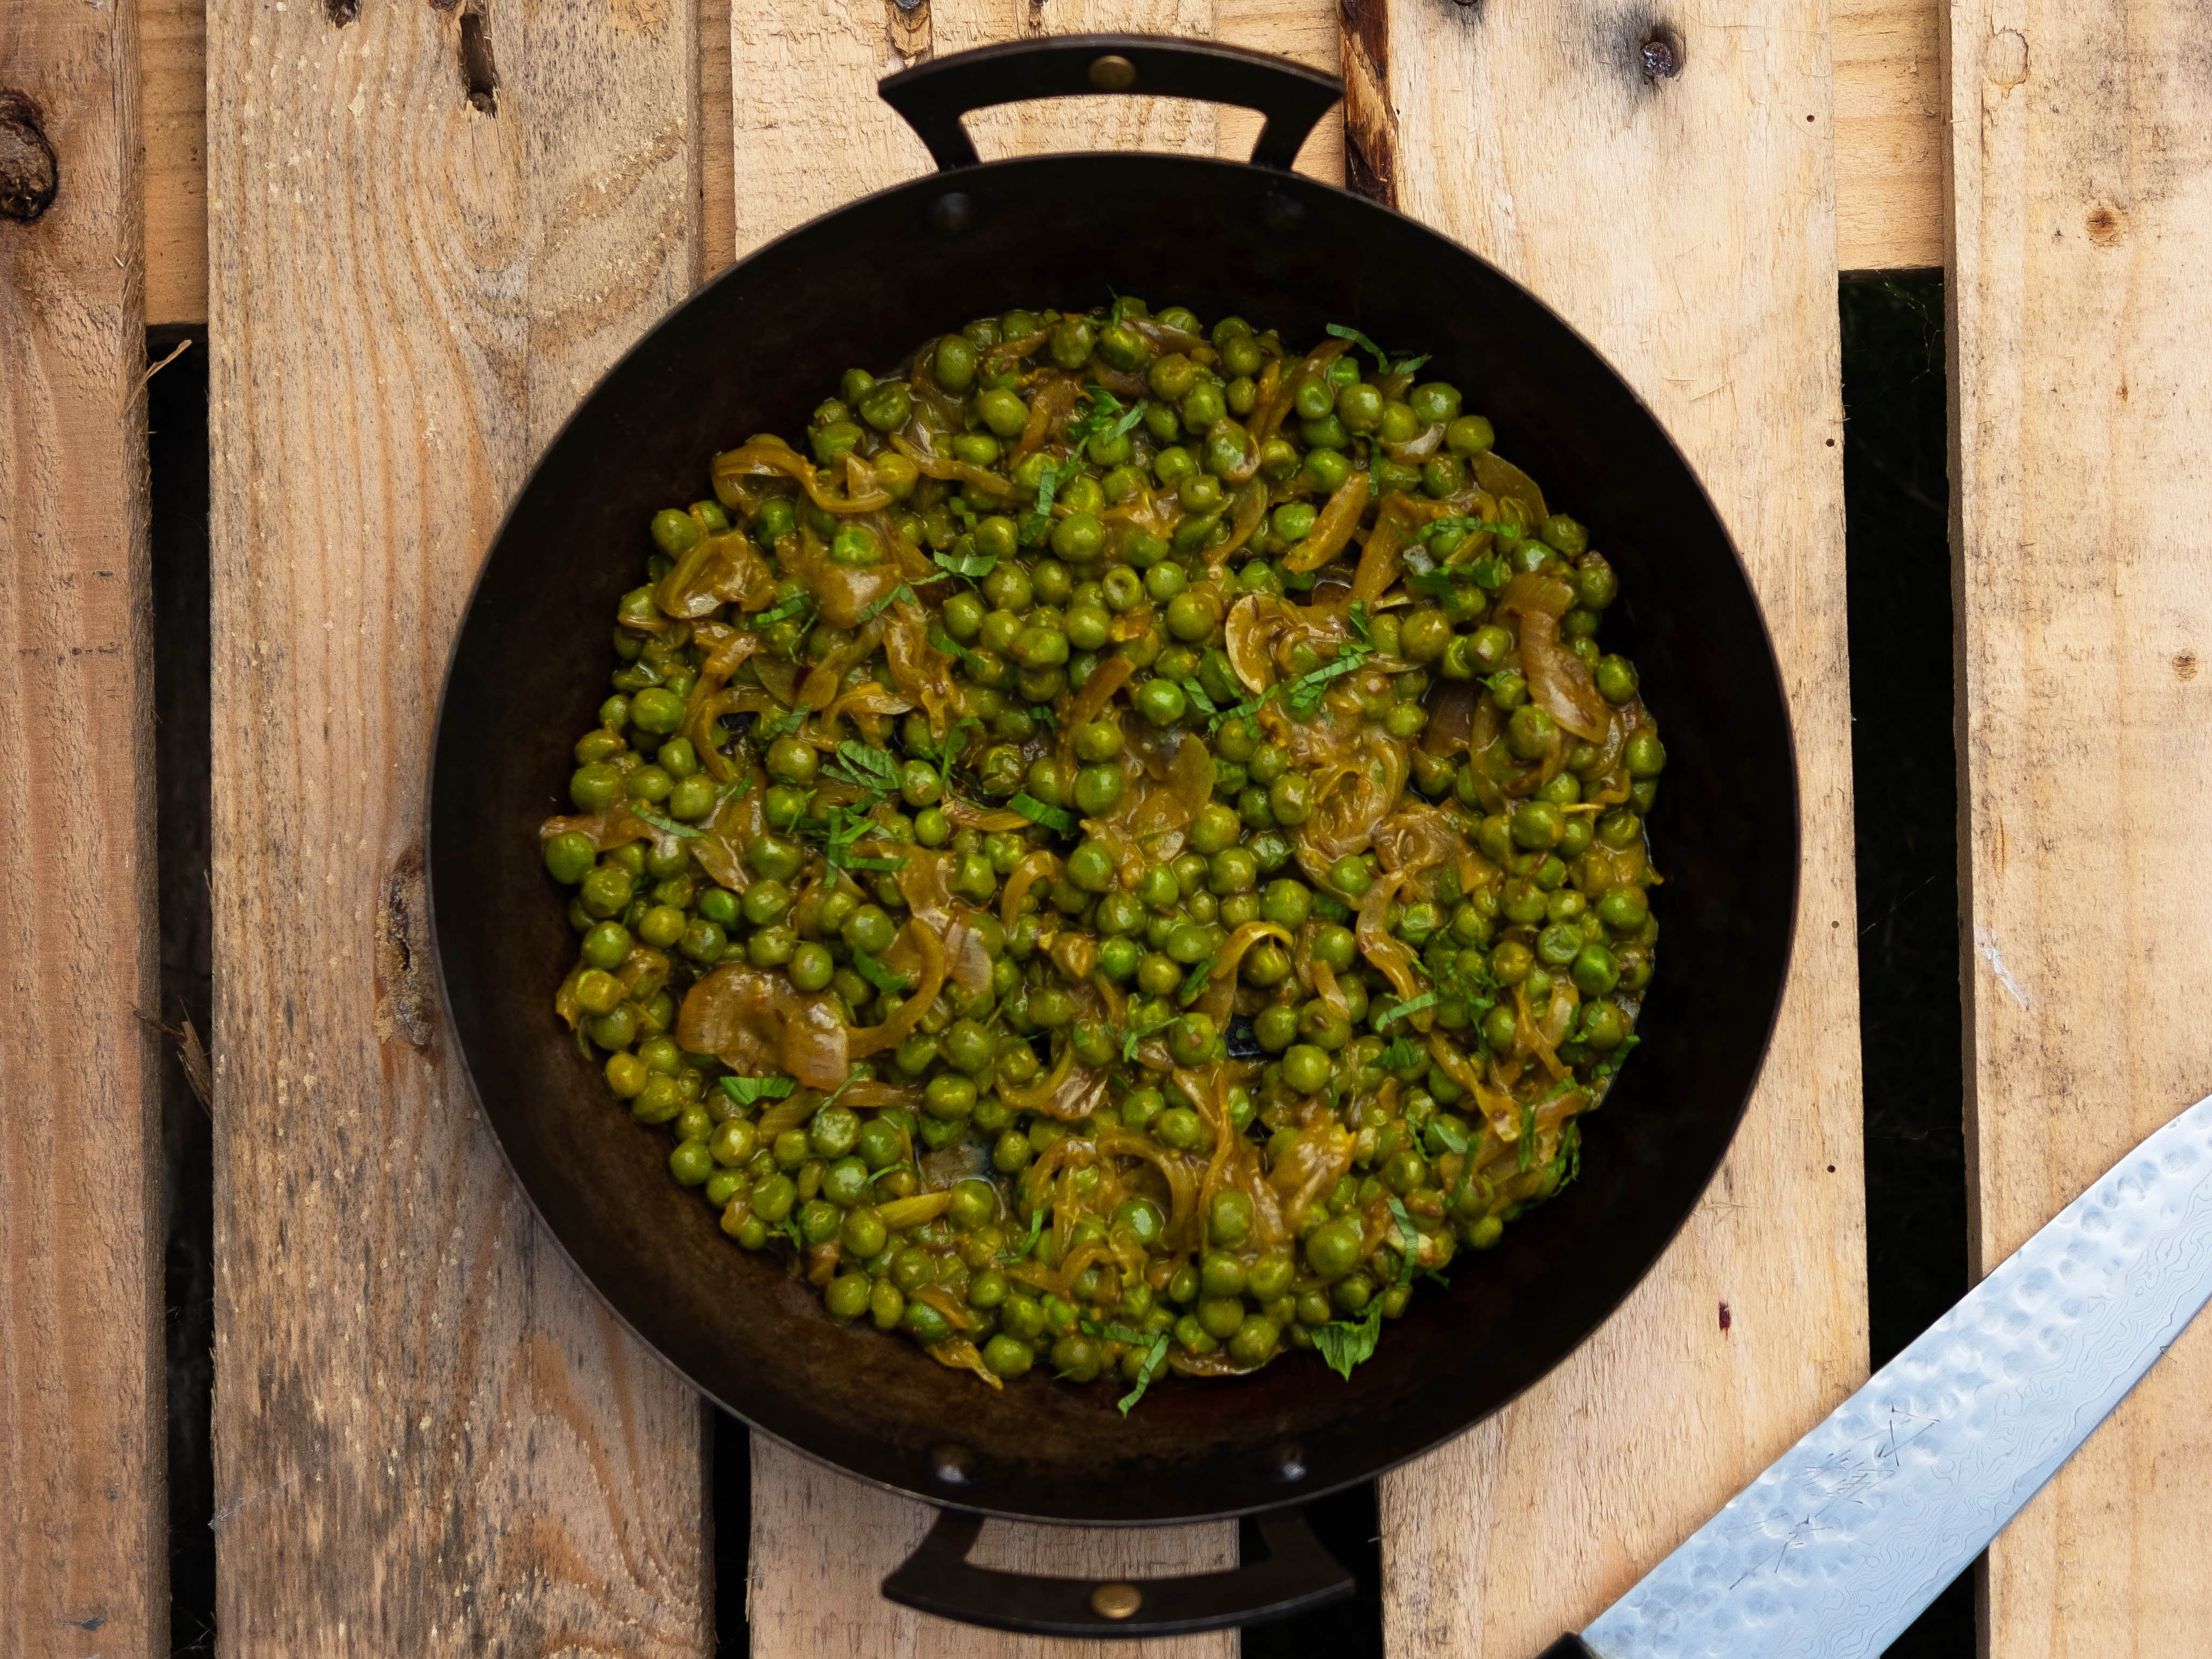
(753,351)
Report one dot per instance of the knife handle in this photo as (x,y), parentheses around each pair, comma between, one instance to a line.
(1569,1646)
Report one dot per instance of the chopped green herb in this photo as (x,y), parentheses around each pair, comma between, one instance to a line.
(1197,695)
(1029,1244)
(645,814)
(974,566)
(797,603)
(870,769)
(745,1090)
(1115,1334)
(952,648)
(1445,1136)
(1145,1374)
(875,973)
(901,592)
(1037,812)
(1400,1055)
(1194,984)
(783,725)
(1345,1343)
(1404,1009)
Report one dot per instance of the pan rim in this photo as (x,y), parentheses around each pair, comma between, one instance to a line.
(915,190)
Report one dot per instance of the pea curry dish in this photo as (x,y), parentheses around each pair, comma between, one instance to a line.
(1121,850)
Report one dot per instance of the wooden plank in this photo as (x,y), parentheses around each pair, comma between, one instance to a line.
(173,71)
(432,227)
(2082,476)
(83,1515)
(1687,227)
(811,135)
(718,183)
(1889,135)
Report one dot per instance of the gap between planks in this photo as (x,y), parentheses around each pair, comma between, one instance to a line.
(1889,138)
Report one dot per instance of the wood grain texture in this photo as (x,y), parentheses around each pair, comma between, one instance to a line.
(173,75)
(429,1437)
(1688,228)
(1889,135)
(717,185)
(2082,479)
(1889,185)
(82,1507)
(811,136)
(822,1543)
(1307,30)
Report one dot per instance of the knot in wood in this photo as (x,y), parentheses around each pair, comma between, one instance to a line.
(403,955)
(1659,54)
(29,175)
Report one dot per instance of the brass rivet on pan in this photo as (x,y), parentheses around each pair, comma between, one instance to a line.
(1116,1601)
(1113,73)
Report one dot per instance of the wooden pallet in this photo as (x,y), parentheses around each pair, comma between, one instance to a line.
(429,1439)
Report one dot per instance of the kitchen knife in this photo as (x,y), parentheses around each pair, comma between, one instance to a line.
(1833,1551)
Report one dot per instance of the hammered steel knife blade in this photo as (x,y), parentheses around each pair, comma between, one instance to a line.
(1831,1552)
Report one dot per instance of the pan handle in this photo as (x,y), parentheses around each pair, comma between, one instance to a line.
(1295,1575)
(934,95)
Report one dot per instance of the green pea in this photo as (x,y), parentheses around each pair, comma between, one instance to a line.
(1161,701)
(1603,1027)
(568,858)
(1191,1039)
(1092,868)
(1078,537)
(1596,970)
(1229,1218)
(812,968)
(675,532)
(1328,469)
(1253,1342)
(847,1297)
(1332,1249)
(1469,435)
(606,944)
(1008,1356)
(1180,1127)
(1305,1068)
(1537,825)
(887,1305)
(1644,756)
(605,890)
(953,363)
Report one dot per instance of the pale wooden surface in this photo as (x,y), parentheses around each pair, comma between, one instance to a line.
(83,1520)
(816,136)
(173,72)
(1688,229)
(1889,187)
(430,1439)
(1889,135)
(2081,481)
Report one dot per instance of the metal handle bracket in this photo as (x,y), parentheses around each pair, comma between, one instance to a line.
(1295,1575)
